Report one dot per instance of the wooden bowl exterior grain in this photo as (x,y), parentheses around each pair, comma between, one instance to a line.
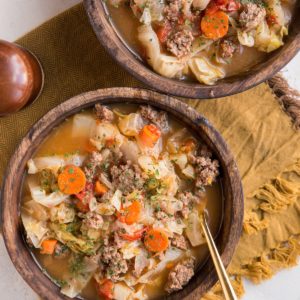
(106,34)
(233,196)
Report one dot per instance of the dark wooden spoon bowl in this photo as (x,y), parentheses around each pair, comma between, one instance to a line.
(109,38)
(231,227)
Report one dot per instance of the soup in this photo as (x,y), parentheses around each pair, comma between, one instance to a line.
(201,40)
(112,203)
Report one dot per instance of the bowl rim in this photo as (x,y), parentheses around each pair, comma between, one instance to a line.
(10,213)
(110,40)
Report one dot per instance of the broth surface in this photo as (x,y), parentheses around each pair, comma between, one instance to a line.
(61,142)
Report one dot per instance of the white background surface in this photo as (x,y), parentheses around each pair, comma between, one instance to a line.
(17,17)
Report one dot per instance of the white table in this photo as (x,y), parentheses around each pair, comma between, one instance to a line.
(17,17)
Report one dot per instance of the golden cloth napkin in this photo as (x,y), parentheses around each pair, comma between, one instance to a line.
(258,132)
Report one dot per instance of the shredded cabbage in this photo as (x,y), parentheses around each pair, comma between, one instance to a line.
(40,196)
(35,230)
(36,210)
(200,4)
(122,291)
(154,151)
(76,283)
(246,38)
(179,159)
(130,250)
(154,10)
(115,201)
(269,39)
(168,66)
(160,169)
(82,125)
(131,124)
(62,213)
(130,150)
(194,230)
(204,71)
(104,132)
(53,163)
(171,254)
(74,243)
(189,171)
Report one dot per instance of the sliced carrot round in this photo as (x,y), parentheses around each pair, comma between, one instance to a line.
(71,180)
(131,213)
(156,240)
(215,25)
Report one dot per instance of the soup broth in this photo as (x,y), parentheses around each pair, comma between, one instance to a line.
(73,138)
(179,39)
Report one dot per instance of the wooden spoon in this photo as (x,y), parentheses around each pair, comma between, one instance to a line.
(223,277)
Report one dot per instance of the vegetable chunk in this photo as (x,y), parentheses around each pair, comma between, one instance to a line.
(156,240)
(71,180)
(149,135)
(215,25)
(48,246)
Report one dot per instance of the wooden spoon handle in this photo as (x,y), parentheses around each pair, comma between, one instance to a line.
(222,274)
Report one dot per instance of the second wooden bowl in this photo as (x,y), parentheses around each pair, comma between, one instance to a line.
(109,38)
(231,227)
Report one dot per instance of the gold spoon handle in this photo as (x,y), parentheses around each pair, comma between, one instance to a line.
(223,277)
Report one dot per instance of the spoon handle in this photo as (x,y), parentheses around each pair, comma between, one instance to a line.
(223,277)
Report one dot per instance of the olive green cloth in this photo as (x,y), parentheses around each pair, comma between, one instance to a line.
(258,132)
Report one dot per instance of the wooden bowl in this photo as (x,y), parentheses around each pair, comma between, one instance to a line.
(108,37)
(231,227)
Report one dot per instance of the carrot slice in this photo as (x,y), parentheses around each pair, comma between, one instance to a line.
(149,135)
(48,246)
(105,289)
(156,240)
(71,180)
(100,189)
(131,213)
(215,25)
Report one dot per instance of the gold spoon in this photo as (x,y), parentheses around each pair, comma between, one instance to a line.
(223,277)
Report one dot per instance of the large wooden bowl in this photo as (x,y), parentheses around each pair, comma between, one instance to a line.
(232,189)
(109,38)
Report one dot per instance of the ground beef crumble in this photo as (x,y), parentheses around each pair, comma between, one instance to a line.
(103,113)
(93,220)
(161,215)
(160,119)
(114,264)
(173,10)
(92,164)
(206,171)
(180,275)
(227,48)
(180,43)
(179,241)
(127,177)
(251,16)
(188,199)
